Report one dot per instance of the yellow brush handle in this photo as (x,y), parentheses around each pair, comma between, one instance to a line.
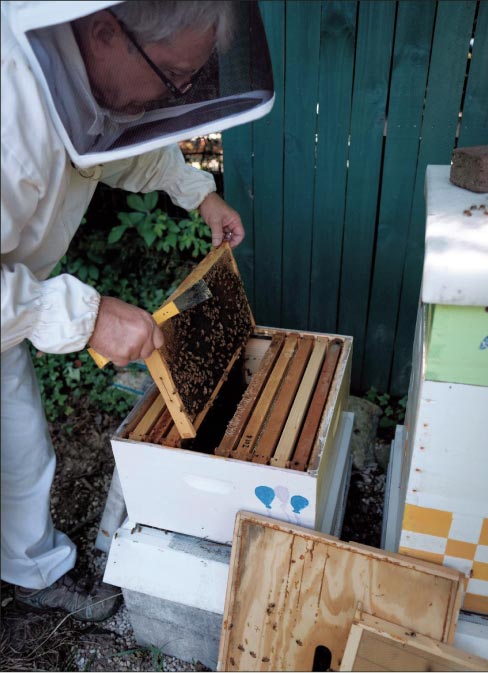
(160,316)
(100,360)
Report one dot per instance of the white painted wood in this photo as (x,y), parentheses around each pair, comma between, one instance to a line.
(449,468)
(113,514)
(456,244)
(169,566)
(393,509)
(338,469)
(200,494)
(472,636)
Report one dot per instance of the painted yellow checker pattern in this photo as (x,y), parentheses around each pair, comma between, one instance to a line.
(455,540)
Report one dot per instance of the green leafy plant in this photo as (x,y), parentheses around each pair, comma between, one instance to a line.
(160,231)
(63,379)
(141,261)
(157,656)
(393,408)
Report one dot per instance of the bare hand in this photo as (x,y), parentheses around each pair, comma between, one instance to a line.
(224,221)
(124,332)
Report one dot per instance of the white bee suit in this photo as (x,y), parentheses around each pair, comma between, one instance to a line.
(43,201)
(44,197)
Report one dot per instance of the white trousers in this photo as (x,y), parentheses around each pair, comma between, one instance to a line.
(34,554)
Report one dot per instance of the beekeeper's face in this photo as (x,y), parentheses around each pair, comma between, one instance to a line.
(121,77)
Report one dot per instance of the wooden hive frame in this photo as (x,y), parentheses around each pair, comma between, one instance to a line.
(279,417)
(160,364)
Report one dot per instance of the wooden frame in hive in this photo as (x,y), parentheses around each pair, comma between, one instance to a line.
(203,343)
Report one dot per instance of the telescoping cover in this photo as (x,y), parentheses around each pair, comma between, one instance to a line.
(123,78)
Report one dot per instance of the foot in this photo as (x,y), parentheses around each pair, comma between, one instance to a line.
(68,595)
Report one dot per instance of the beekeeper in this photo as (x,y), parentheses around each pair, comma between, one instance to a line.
(96,91)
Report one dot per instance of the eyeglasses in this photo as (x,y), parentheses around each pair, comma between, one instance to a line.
(172,88)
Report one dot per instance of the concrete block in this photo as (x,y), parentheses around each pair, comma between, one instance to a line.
(470,168)
(185,632)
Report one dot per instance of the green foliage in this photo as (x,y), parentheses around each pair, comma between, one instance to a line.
(140,261)
(157,656)
(63,379)
(393,408)
(159,231)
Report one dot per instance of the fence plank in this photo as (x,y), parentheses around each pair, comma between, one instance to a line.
(302,54)
(453,28)
(338,33)
(407,89)
(474,123)
(373,53)
(238,178)
(268,180)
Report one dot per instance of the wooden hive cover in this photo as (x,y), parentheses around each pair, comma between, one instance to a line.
(203,343)
(292,591)
(376,645)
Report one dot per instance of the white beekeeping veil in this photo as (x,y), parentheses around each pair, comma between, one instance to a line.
(161,102)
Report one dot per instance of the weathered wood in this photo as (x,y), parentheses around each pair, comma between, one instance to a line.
(253,355)
(244,410)
(160,428)
(288,439)
(147,421)
(271,434)
(159,370)
(303,449)
(261,409)
(267,187)
(379,645)
(173,439)
(410,67)
(440,119)
(336,79)
(302,44)
(139,411)
(291,590)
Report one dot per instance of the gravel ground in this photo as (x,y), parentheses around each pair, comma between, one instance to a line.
(51,642)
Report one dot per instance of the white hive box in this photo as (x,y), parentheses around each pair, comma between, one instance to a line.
(177,603)
(443,489)
(271,440)
(199,494)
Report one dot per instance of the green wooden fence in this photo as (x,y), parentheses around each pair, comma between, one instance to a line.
(330,183)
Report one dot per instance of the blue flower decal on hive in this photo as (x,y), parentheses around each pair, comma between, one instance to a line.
(484,343)
(298,503)
(265,495)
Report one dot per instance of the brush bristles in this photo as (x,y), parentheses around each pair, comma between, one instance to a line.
(195,295)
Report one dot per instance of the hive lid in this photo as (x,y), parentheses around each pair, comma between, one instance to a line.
(456,243)
(203,343)
(292,591)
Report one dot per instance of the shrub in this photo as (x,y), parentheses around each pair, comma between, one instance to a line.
(141,261)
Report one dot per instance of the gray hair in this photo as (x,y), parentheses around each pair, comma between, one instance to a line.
(157,20)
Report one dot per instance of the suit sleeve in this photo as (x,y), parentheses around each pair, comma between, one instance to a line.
(163,169)
(57,315)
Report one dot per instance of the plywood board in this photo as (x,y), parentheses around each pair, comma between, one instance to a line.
(291,590)
(201,343)
(377,645)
